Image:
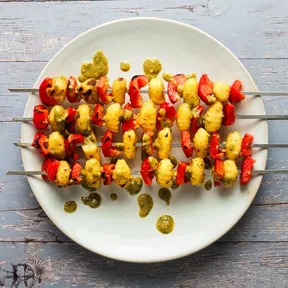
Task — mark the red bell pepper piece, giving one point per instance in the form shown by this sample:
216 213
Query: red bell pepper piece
147 145
218 171
97 117
195 121
147 172
71 92
229 114
181 171
166 115
172 88
40 143
40 117
50 166
107 173
102 86
46 100
235 92
137 82
246 170
75 174
70 145
71 120
107 145
205 88
186 143
246 149
214 146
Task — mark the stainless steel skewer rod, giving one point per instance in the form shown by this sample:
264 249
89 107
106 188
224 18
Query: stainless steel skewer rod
256 93
254 172
99 144
257 117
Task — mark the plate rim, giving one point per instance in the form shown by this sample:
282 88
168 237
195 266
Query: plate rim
184 252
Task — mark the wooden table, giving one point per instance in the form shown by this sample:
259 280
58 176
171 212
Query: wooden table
253 254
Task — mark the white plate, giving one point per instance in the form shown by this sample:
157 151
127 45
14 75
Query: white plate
201 217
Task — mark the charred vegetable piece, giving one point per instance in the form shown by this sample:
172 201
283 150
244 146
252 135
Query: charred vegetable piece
40 143
186 143
137 82
235 92
175 87
246 170
71 92
40 117
70 145
166 116
247 141
205 90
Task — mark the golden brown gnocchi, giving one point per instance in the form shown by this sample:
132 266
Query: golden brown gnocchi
184 117
163 143
57 118
156 88
92 174
122 173
147 117
201 143
197 171
233 145
129 141
230 173
58 89
63 174
113 116
119 89
90 148
190 92
213 117
221 90
56 145
88 91
164 173
83 119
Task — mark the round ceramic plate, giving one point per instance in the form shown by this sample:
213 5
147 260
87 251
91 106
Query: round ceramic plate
201 217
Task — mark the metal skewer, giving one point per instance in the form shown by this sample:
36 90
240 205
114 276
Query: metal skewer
256 93
99 144
254 172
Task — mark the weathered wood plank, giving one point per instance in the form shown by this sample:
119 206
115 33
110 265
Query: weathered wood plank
260 223
250 29
221 265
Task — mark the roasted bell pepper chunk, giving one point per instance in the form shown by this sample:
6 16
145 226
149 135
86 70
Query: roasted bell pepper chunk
246 170
181 172
98 114
71 119
166 115
40 117
45 98
214 146
40 143
147 171
71 92
186 143
108 149
107 173
174 85
218 171
75 174
195 121
50 166
129 121
246 149
70 145
137 82
147 145
205 89
102 87
229 114
235 92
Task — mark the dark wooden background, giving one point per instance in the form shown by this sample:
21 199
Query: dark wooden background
32 250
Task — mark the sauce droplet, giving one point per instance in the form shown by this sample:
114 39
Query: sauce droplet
145 202
113 196
167 76
93 200
165 224
70 206
125 66
165 195
152 67
135 186
208 184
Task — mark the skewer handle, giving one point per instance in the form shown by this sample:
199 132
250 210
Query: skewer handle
21 119
263 117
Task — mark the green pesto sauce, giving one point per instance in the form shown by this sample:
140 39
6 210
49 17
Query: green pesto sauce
165 224
113 196
95 69
208 185
135 186
93 200
167 76
125 66
152 67
145 202
70 206
165 195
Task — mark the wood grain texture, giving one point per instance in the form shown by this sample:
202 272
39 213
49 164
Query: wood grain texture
223 265
251 29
